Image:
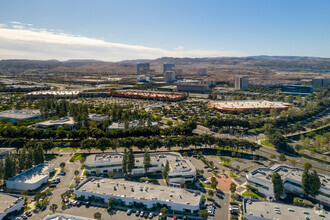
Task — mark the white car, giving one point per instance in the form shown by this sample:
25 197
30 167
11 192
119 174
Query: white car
129 212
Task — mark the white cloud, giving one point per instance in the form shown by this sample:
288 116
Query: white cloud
22 41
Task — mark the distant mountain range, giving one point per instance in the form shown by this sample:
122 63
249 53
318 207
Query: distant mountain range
288 63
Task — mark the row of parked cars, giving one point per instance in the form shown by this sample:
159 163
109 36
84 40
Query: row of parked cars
141 214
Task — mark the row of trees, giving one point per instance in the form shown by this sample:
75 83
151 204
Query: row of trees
85 132
154 143
17 163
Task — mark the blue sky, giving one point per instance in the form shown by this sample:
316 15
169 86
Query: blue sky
133 29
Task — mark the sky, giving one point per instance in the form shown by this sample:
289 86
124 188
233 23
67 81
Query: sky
147 29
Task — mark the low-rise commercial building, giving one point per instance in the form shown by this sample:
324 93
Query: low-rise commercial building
53 94
180 168
16 115
291 176
248 105
129 125
97 117
66 122
263 210
137 194
32 178
10 203
320 82
4 152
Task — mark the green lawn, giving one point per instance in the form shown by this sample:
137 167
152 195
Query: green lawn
249 193
232 175
77 157
267 144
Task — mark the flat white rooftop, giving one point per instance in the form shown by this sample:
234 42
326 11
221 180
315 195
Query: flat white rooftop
176 162
19 114
249 104
7 201
140 191
272 210
57 122
33 174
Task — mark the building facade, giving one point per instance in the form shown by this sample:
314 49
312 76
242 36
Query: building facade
168 67
180 168
169 76
193 87
142 68
135 194
242 83
320 82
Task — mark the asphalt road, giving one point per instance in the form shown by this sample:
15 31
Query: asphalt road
62 187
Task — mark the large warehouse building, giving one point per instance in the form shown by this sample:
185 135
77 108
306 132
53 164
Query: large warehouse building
179 168
248 105
17 115
32 178
291 177
140 194
10 203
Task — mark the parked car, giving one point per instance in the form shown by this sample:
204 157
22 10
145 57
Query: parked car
29 214
129 212
283 196
62 173
137 213
141 214
151 215
146 215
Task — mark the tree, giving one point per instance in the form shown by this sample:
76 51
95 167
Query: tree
97 215
103 144
62 165
111 201
110 174
165 171
315 184
24 193
181 182
124 162
185 154
53 208
282 157
248 187
310 182
204 214
130 161
88 144
76 173
146 160
277 185
293 162
210 192
164 211
214 182
232 187
307 165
